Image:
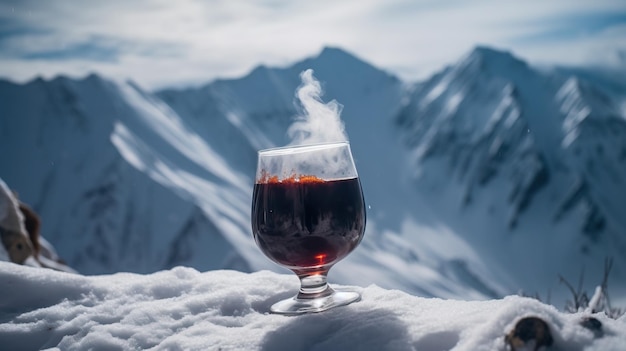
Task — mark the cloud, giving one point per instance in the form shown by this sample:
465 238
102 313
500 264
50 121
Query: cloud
181 42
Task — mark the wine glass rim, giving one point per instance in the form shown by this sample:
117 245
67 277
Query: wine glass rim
293 149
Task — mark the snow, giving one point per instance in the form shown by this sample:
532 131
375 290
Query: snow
183 309
497 169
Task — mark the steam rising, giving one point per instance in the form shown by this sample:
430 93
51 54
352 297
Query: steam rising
318 122
318 141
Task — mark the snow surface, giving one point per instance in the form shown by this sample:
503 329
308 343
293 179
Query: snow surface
183 309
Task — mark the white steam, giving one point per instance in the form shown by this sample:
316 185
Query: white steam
318 122
318 140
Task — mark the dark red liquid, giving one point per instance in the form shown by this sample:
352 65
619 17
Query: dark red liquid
308 224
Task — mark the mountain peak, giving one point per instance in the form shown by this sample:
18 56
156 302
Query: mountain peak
493 59
334 65
334 56
485 50
334 51
65 79
489 53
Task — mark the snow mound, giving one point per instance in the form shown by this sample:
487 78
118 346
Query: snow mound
183 309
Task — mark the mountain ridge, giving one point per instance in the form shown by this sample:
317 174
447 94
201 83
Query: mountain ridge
446 164
516 156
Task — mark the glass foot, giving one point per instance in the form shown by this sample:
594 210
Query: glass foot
296 305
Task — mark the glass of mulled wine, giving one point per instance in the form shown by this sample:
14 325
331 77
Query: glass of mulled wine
308 213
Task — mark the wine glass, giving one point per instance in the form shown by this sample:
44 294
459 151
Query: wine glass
308 213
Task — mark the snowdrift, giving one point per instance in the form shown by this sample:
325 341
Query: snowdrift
183 309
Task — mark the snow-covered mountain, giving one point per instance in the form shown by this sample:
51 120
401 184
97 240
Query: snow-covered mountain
491 177
529 165
82 153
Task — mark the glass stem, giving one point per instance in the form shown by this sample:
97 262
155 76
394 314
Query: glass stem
313 286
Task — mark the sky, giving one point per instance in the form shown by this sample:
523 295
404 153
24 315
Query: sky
161 43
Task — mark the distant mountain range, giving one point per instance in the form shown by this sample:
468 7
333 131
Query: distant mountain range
491 177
